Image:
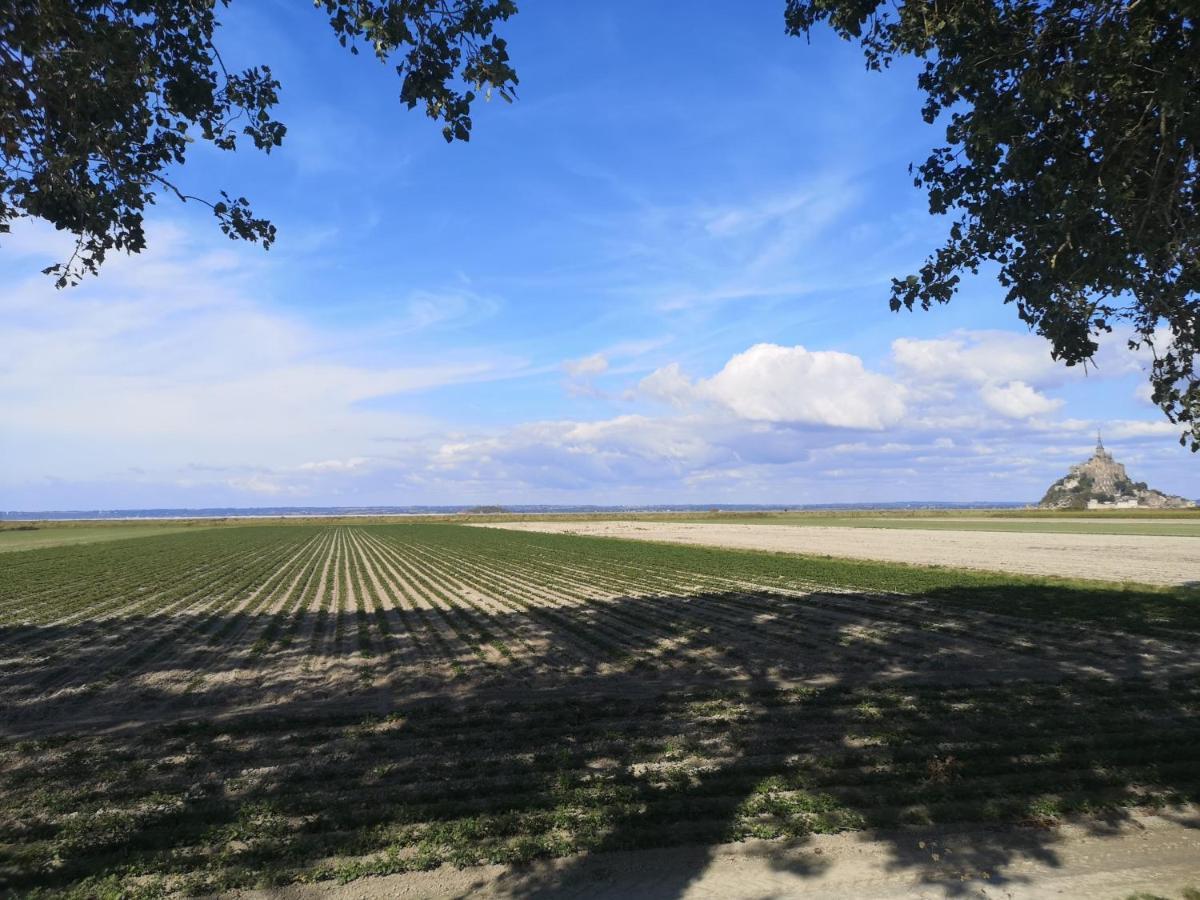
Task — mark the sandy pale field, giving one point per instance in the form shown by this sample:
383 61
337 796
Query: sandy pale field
1108 557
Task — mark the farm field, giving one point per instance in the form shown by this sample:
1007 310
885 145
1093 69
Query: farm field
1178 526
15 536
239 707
1117 557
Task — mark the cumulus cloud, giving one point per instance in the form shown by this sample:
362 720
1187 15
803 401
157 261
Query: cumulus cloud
980 357
789 385
669 385
1009 371
1017 400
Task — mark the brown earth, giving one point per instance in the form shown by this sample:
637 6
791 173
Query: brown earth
191 658
510 656
1142 559
1090 859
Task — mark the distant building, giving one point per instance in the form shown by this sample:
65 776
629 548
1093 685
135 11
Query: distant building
1102 483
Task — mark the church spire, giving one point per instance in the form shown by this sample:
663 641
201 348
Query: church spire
1099 442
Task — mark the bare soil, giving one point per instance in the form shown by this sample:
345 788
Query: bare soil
1091 859
511 689
1141 559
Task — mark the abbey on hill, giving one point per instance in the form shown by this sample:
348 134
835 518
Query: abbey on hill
1101 483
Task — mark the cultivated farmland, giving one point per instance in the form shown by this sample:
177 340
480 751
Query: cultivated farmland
242 706
1166 553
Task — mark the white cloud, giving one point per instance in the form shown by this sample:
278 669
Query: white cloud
1017 400
581 375
806 210
1009 372
425 309
179 365
980 357
258 484
596 364
353 464
173 358
740 243
668 384
1144 393
1127 428
789 385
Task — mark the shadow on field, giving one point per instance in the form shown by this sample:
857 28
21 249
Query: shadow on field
680 721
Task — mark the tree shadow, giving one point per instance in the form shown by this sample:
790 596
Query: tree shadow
683 721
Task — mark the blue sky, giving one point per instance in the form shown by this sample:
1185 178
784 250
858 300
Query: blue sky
660 276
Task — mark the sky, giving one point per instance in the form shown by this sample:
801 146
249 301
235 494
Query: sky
661 276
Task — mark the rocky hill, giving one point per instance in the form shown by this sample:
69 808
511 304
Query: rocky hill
1102 483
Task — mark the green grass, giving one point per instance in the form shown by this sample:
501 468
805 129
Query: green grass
37 536
1169 522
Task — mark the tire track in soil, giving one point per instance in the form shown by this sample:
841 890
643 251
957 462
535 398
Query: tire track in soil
729 612
279 653
114 606
496 612
306 638
1073 644
836 627
375 663
288 616
129 579
327 646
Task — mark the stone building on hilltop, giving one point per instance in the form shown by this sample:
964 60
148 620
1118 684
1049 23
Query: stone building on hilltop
1102 483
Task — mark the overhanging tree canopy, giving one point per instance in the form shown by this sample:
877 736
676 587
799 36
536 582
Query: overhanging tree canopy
1070 159
1070 162
101 99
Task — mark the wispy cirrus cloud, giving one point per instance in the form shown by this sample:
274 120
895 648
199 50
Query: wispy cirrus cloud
175 357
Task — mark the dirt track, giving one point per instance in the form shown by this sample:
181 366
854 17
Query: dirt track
1092 859
1107 557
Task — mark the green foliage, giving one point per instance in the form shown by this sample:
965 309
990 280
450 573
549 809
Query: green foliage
1070 162
100 101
